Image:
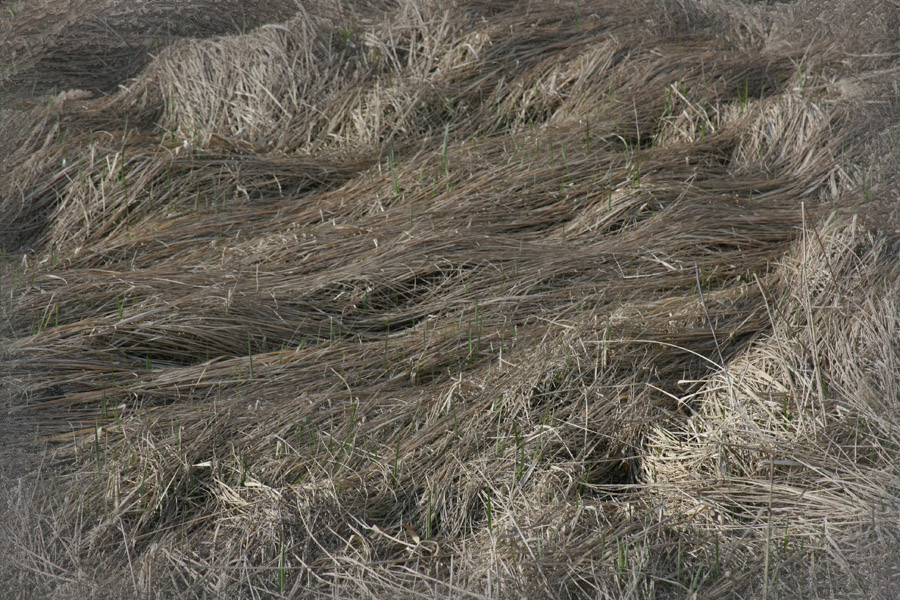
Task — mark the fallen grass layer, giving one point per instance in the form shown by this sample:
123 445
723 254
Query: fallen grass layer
48 47
458 300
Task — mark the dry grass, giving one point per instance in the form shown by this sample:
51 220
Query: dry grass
452 299
50 46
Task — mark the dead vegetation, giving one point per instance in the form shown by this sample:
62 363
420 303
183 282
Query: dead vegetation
453 299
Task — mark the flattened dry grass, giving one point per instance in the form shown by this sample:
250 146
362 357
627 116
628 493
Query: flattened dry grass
458 300
50 46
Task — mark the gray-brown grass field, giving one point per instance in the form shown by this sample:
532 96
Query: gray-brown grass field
413 299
